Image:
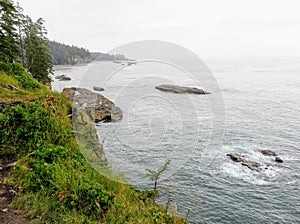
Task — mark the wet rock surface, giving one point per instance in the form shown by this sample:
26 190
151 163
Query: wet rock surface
180 89
237 157
278 159
252 165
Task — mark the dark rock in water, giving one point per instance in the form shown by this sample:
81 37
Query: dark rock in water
96 106
63 78
96 88
180 89
268 152
59 76
278 159
252 165
236 157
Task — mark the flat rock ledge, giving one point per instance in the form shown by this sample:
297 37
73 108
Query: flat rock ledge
96 106
180 89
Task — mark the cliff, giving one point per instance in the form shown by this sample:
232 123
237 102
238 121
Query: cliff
44 177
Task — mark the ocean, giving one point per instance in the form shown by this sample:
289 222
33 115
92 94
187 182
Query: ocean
253 105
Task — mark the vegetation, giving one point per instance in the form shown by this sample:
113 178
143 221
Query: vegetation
24 41
63 54
53 181
154 175
40 158
106 57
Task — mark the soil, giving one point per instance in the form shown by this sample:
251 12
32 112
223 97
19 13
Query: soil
7 193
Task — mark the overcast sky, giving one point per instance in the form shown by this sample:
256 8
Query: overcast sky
207 27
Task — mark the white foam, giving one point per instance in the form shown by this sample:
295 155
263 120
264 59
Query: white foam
270 173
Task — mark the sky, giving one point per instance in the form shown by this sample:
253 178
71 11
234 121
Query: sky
210 28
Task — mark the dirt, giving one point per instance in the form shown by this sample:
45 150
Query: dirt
7 194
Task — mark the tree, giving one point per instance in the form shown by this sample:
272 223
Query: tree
37 55
154 175
9 44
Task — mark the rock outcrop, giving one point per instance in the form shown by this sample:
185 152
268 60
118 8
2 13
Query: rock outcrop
252 165
237 157
96 106
180 89
271 153
96 88
267 152
63 78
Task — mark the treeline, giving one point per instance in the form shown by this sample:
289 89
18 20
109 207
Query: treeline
64 54
24 40
97 56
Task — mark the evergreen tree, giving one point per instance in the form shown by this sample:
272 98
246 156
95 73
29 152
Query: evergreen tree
37 55
9 44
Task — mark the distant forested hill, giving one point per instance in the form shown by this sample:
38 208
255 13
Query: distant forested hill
106 57
65 54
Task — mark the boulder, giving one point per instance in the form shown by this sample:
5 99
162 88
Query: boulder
180 89
96 88
96 106
278 159
267 152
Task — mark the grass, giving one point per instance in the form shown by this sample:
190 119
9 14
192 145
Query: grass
53 180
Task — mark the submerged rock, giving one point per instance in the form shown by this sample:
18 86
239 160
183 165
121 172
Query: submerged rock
96 88
96 106
267 152
180 89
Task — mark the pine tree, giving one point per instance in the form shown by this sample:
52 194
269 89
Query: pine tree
9 44
37 55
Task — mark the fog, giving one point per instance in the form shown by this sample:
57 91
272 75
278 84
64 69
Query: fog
212 28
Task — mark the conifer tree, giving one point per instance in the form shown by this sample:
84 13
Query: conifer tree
9 44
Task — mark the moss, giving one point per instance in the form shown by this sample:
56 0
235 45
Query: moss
55 183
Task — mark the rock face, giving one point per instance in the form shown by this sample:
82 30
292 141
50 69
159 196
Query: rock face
97 107
180 89
96 88
237 157
63 78
268 153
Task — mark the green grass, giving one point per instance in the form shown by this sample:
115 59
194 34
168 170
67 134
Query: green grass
54 181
